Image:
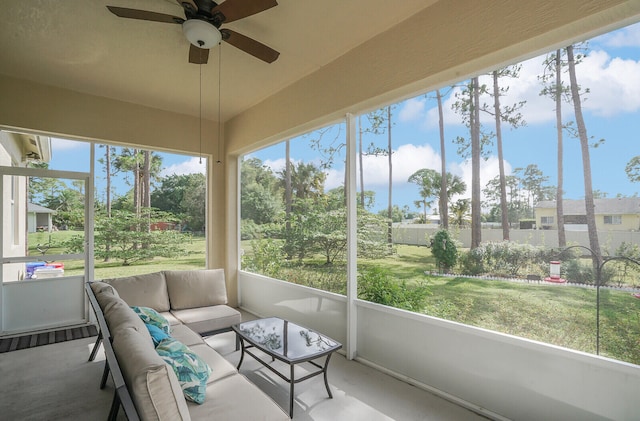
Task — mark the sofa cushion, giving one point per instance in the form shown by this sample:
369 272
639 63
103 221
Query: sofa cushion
186 335
152 383
170 318
220 367
208 319
119 315
152 317
195 288
236 398
148 290
191 370
101 287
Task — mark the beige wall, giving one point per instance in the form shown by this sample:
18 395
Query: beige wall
442 44
630 222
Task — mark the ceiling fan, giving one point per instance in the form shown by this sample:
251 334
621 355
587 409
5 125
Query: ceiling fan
202 22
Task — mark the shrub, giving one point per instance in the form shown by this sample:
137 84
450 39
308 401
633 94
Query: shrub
266 258
505 259
444 250
378 286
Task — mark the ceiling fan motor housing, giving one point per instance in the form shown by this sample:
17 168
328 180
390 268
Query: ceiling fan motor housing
200 33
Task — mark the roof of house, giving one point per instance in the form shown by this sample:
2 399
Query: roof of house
613 206
32 207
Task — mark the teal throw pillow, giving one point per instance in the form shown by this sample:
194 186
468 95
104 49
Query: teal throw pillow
152 317
191 370
157 335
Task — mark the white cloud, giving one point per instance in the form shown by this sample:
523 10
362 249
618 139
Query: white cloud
614 85
626 37
277 164
489 169
406 160
190 166
412 110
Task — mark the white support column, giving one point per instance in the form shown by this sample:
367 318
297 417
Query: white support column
352 240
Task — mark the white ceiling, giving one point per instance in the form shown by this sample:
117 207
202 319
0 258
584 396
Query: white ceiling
80 45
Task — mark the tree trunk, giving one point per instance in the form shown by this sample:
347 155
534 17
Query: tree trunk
444 198
390 156
562 238
476 227
503 184
586 163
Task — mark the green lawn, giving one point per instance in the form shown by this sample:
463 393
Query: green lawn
194 260
562 315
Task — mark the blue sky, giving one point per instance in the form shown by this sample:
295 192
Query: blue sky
611 71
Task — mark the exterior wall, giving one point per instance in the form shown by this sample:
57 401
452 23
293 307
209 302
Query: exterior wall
630 222
546 212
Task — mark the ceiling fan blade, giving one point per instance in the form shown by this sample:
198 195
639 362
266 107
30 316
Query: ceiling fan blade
188 5
238 9
249 45
198 55
124 12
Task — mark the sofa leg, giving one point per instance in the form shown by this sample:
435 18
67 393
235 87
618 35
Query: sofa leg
105 375
115 406
94 351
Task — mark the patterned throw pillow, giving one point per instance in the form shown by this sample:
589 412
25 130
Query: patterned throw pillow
157 335
152 317
191 370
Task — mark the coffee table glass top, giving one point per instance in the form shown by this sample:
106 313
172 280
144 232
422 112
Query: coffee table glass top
286 339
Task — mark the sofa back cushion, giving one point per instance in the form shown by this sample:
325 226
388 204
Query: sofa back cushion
196 288
117 313
148 290
153 385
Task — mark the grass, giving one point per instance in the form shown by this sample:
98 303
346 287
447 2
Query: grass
561 315
195 259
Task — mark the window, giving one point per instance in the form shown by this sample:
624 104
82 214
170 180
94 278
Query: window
292 209
613 219
400 152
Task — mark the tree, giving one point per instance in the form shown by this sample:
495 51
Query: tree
554 88
120 233
533 180
476 147
430 183
586 161
260 200
633 169
377 121
460 211
444 199
510 115
183 196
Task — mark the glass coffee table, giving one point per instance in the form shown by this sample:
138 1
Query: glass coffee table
290 343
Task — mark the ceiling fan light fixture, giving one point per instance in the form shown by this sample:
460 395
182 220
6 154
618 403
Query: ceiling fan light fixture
201 34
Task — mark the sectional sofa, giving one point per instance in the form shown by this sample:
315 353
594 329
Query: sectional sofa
148 367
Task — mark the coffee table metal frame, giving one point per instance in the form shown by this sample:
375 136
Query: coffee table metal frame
247 343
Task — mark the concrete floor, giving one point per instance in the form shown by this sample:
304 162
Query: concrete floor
55 382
